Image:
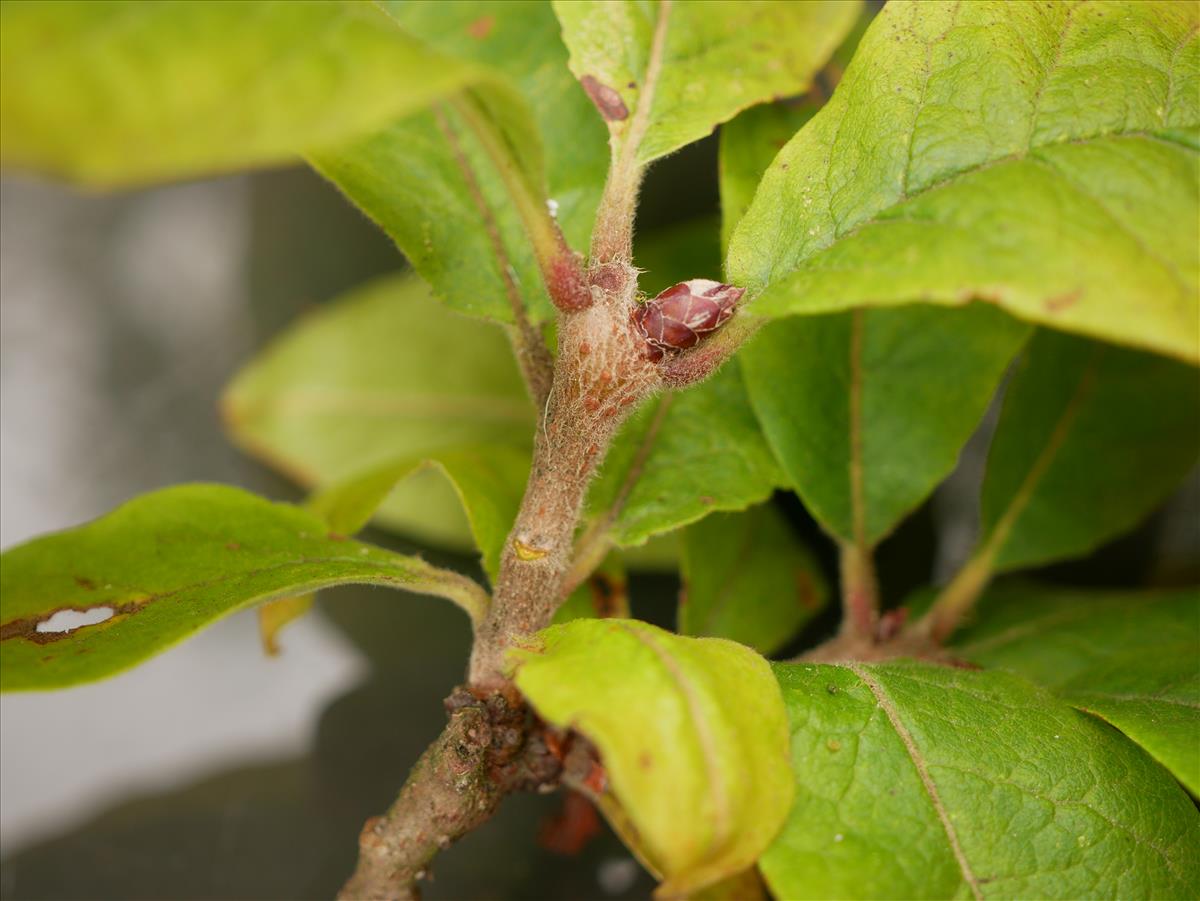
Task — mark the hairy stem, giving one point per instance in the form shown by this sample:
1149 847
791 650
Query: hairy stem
612 238
599 378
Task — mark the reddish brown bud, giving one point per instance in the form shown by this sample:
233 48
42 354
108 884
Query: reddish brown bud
681 316
565 283
607 101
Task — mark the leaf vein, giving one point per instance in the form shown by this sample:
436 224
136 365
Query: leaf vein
918 761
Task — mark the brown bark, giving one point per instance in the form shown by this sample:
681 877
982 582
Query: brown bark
486 751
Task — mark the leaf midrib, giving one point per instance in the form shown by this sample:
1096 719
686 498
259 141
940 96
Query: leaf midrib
885 703
722 819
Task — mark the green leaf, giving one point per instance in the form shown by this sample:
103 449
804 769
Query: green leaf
691 733
489 480
710 61
118 93
868 410
163 566
522 41
681 457
1091 438
448 185
1129 657
748 145
747 577
1042 157
920 781
381 375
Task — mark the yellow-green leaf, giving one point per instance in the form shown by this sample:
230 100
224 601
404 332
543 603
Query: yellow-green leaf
691 732
694 65
117 92
489 480
382 375
1040 156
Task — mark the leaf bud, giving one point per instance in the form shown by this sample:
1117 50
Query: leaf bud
684 314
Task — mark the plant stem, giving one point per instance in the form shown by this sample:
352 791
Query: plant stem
612 238
599 378
961 593
484 753
860 592
957 598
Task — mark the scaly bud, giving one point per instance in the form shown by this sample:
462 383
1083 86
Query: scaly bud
684 314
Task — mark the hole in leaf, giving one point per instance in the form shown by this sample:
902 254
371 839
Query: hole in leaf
70 620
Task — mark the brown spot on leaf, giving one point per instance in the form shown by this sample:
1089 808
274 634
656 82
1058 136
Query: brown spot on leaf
607 101
85 583
645 761
1060 302
27 627
334 536
481 27
706 500
966 295
233 546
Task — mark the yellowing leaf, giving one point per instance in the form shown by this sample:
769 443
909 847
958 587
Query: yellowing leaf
691 732
273 616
